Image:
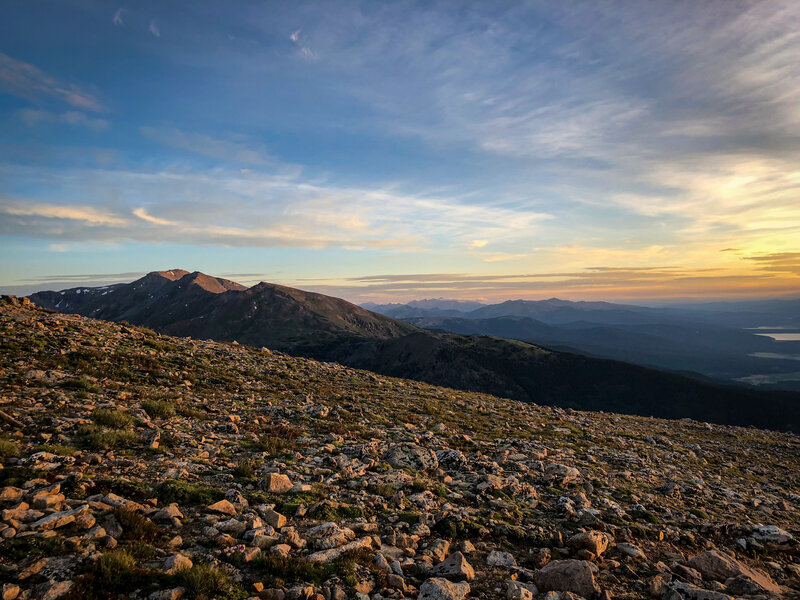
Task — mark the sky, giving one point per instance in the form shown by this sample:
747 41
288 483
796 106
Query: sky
386 151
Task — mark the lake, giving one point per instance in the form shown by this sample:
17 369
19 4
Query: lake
782 337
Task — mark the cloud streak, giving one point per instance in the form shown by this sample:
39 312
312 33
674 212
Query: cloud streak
236 150
242 208
27 81
71 117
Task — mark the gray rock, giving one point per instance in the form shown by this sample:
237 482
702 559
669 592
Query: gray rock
569 576
497 558
454 567
442 589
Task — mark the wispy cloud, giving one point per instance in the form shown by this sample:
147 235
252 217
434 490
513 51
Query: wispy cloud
778 262
145 216
117 20
302 48
88 216
241 208
27 81
597 283
154 30
71 117
236 149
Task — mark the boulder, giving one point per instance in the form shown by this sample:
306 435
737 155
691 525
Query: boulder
772 534
595 542
631 551
568 576
277 483
274 518
497 558
454 567
442 589
176 562
686 591
516 590
332 554
411 456
718 566
223 507
329 535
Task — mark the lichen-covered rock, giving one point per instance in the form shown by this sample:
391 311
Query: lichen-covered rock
411 456
329 535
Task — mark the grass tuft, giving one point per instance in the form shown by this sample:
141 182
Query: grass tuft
158 409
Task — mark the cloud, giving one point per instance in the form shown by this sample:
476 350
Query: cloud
236 150
27 81
154 30
245 208
592 283
117 20
32 117
88 216
688 118
777 262
303 50
143 214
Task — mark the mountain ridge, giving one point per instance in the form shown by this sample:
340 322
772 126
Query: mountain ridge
325 328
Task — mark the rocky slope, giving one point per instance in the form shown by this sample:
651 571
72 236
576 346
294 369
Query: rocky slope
143 466
313 325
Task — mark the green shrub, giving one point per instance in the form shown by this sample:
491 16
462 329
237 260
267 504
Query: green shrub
450 527
381 489
17 549
8 449
245 468
16 476
184 492
80 384
409 517
97 438
206 582
192 413
113 574
115 568
325 511
113 419
275 445
57 449
290 569
158 409
644 515
699 513
141 550
136 526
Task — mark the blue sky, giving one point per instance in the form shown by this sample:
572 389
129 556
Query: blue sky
399 150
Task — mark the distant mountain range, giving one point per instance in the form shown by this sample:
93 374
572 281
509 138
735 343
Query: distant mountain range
178 302
718 340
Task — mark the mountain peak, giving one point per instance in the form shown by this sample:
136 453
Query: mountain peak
215 285
172 274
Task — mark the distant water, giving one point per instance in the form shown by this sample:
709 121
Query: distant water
768 378
782 337
775 355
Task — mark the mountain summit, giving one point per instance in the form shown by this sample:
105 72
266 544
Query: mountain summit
302 323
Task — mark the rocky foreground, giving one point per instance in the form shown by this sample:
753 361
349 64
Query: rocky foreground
142 466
